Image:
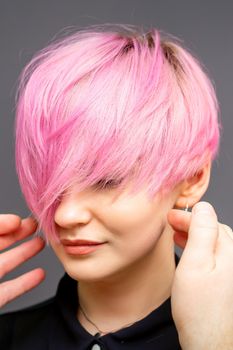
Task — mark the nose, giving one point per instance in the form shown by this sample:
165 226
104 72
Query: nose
72 211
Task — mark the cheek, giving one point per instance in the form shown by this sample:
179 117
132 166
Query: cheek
58 251
140 240
55 248
133 220
137 234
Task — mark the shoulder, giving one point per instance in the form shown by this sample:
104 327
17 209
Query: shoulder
16 324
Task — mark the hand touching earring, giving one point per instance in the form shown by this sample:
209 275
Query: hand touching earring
202 291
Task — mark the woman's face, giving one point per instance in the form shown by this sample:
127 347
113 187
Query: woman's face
129 225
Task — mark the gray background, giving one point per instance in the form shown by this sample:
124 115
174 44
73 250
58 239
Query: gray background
206 27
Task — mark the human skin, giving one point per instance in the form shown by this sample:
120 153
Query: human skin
189 327
202 290
13 229
136 263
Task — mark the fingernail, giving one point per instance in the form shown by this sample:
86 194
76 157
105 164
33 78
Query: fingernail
203 207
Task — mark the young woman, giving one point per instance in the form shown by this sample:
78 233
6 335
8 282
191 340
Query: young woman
115 126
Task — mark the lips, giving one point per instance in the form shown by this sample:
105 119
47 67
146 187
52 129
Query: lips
79 242
80 246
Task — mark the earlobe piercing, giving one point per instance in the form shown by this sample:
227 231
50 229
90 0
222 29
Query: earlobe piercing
187 207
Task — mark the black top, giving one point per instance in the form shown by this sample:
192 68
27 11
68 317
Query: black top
53 325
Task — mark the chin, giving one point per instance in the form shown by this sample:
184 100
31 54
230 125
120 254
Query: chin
84 275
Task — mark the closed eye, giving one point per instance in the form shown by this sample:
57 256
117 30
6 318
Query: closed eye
112 183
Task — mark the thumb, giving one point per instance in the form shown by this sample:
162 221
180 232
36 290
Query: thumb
202 237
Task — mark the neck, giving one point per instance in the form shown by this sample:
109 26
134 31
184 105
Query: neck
133 293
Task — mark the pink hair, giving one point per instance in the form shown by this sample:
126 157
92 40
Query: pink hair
111 103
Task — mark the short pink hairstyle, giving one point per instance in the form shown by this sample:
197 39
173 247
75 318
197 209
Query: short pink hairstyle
111 104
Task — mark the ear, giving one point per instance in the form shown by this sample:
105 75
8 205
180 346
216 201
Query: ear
192 189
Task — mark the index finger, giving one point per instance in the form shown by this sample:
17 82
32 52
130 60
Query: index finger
27 227
180 220
9 223
202 238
